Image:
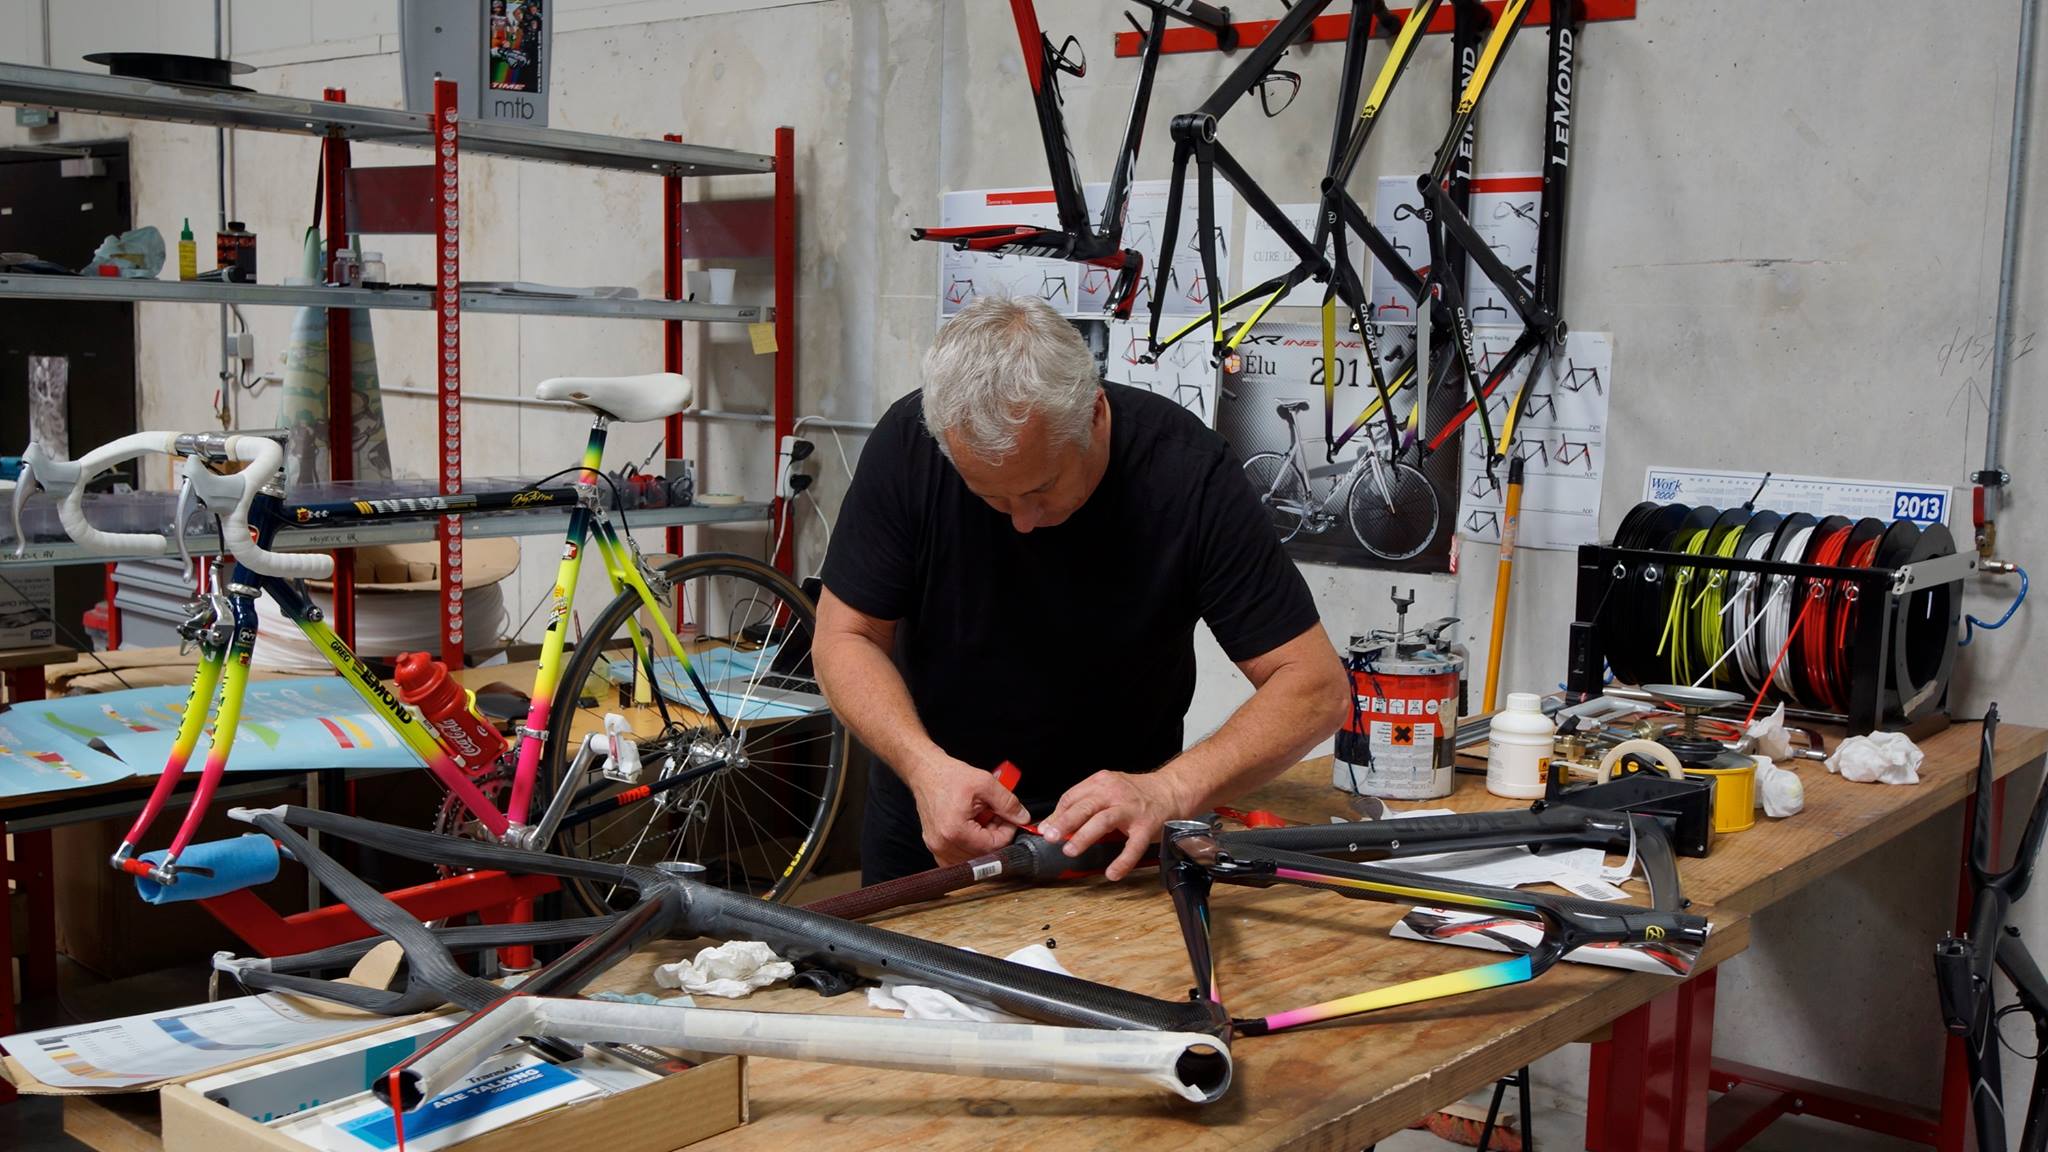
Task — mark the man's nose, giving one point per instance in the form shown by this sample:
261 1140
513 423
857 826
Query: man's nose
1026 515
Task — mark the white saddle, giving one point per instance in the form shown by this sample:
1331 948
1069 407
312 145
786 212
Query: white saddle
629 398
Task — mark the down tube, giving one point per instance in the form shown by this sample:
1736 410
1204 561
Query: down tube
415 735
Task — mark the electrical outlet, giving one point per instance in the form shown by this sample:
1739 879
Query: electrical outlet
791 452
241 346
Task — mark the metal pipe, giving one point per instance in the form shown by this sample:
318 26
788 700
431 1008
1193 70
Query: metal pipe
1993 477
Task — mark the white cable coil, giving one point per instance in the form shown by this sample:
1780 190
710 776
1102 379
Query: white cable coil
387 623
1779 615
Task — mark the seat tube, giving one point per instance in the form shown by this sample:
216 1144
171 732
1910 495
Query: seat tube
547 678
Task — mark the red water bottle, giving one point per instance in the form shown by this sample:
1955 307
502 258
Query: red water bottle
424 683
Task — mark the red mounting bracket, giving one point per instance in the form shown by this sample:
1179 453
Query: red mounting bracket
1334 28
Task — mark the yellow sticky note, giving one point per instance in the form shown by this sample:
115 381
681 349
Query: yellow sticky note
763 336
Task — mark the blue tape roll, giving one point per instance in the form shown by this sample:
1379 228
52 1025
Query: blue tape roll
242 862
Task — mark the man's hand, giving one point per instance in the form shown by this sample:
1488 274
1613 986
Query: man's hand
950 794
1108 802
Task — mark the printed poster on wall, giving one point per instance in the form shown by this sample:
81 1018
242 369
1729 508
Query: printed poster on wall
1561 440
1081 290
1504 211
1182 373
1266 255
1281 364
1923 504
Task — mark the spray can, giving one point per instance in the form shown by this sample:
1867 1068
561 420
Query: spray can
1400 742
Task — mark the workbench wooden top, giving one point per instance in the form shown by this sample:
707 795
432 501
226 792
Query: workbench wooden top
1344 1085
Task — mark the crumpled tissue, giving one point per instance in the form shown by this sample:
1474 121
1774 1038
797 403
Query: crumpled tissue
918 1002
1886 757
729 971
1778 790
1771 738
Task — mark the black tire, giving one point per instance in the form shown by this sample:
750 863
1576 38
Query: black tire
1277 481
1407 527
759 822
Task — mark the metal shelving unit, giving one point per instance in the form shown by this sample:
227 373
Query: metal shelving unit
145 100
764 229
392 299
536 522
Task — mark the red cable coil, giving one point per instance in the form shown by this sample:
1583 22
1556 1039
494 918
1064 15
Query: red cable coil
1813 650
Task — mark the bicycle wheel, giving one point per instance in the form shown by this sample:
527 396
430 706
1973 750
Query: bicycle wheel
1392 510
1282 489
750 800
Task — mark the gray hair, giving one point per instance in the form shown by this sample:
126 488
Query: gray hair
997 363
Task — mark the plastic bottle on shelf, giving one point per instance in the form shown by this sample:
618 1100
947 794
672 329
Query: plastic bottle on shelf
188 253
1518 746
424 683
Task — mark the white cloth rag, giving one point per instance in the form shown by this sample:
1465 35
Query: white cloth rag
1886 757
918 1002
729 971
1778 790
1771 738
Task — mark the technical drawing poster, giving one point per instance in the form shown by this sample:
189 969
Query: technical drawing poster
1504 210
1187 291
1562 440
1183 373
963 276
1283 363
1266 255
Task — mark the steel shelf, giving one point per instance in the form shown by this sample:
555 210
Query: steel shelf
105 288
539 522
145 100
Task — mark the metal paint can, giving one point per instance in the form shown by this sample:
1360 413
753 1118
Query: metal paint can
1399 742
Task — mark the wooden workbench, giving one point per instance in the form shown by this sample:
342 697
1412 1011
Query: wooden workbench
1342 1086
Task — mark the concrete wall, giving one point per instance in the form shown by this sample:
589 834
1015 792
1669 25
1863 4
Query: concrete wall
1784 224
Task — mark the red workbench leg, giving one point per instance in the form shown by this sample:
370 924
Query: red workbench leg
1648 1089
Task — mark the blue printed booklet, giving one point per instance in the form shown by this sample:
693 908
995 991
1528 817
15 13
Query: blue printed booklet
512 1086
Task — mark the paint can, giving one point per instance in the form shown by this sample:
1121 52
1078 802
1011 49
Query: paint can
1400 741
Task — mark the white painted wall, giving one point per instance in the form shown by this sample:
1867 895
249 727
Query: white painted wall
1781 222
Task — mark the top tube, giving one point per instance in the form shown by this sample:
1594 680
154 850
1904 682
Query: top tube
414 507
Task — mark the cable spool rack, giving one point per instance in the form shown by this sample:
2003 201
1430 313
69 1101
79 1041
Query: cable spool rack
1877 670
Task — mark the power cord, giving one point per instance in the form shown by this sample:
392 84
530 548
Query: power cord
1971 623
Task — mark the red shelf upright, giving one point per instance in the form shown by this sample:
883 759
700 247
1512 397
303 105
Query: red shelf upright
448 326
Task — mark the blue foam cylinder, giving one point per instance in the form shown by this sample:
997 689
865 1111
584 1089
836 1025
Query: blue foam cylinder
238 863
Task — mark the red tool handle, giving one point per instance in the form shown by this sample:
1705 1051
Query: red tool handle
1008 775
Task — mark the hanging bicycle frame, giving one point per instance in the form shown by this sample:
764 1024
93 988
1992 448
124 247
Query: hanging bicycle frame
1098 243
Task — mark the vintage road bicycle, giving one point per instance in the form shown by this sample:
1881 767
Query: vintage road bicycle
685 723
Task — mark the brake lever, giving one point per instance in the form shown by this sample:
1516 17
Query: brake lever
24 484
186 495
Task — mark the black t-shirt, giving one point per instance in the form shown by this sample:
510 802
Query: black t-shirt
1066 650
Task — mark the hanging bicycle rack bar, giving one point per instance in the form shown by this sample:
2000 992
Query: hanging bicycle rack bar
1328 29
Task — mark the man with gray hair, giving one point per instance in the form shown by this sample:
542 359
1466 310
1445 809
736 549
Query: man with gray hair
1016 575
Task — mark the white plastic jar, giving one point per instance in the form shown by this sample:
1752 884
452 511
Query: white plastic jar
1518 745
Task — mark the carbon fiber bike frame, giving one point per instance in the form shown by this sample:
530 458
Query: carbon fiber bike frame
670 905
1963 967
1098 243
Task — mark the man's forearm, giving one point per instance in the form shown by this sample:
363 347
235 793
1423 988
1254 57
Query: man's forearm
869 695
1292 712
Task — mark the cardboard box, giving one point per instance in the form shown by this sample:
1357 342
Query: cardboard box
27 598
663 1116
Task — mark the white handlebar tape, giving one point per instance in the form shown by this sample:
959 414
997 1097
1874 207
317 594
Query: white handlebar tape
264 458
72 510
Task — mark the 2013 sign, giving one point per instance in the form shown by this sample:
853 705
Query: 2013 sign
1920 507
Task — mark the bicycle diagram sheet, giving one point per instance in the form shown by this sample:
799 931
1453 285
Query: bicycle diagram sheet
175 1043
1267 256
1562 441
287 725
1182 373
1504 210
1079 290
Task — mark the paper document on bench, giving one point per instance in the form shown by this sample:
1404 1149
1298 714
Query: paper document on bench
179 1042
